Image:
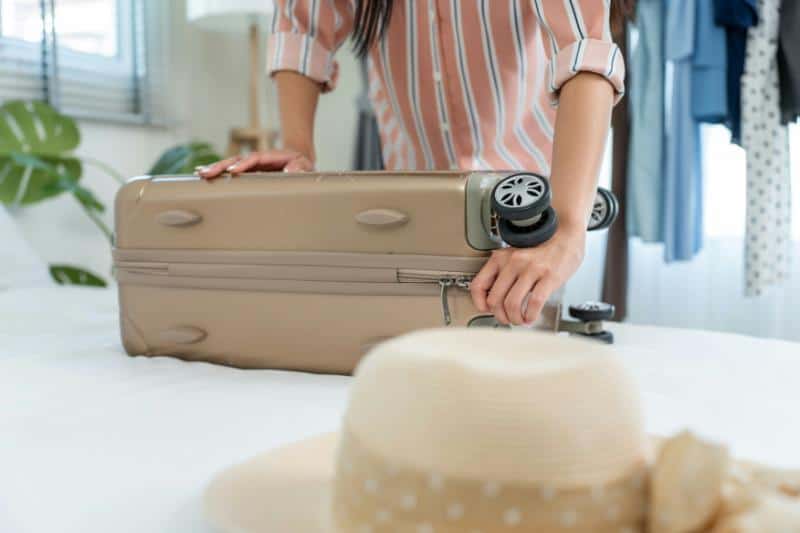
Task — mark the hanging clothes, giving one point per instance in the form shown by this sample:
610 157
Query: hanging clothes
368 153
682 208
736 16
645 182
766 140
789 60
709 68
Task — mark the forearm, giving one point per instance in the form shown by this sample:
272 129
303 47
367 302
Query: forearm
582 123
297 97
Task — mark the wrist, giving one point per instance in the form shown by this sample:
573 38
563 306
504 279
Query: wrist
571 224
573 213
572 235
301 146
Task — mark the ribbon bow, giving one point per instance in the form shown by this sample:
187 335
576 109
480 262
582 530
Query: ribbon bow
696 487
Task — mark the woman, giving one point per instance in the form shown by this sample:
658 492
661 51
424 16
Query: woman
465 84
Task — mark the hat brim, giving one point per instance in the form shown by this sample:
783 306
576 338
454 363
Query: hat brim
286 489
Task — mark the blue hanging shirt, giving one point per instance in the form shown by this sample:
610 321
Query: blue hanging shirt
736 16
682 201
645 188
709 62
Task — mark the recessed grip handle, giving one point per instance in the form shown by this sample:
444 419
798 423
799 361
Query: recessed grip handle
182 335
382 217
178 218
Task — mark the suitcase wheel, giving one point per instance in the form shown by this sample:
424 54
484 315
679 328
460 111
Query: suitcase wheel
521 196
592 311
604 336
529 236
604 210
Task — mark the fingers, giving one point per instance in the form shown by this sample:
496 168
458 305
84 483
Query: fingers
482 283
263 161
215 170
497 295
515 299
513 286
544 287
249 162
288 160
275 160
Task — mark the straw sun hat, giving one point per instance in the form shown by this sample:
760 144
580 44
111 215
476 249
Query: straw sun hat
459 431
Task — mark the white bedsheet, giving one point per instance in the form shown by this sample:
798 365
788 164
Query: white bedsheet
94 441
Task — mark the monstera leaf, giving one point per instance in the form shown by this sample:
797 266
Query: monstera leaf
183 159
70 275
36 144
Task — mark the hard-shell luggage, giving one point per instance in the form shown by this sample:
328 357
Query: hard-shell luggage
307 271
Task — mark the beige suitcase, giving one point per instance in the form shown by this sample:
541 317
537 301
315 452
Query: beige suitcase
305 271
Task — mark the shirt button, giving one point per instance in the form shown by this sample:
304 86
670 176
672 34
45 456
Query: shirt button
454 166
445 126
437 76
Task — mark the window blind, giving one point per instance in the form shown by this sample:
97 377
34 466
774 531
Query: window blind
123 87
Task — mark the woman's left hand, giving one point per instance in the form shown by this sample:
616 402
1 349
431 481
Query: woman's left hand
516 282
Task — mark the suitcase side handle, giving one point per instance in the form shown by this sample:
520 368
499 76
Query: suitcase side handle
178 217
182 335
382 217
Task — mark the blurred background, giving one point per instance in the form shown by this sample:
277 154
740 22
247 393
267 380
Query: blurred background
146 80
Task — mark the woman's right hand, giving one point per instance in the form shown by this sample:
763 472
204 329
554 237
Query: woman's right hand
271 160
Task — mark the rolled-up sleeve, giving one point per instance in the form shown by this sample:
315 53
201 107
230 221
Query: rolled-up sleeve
306 35
577 38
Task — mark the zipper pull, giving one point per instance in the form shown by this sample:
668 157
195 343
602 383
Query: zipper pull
464 282
446 283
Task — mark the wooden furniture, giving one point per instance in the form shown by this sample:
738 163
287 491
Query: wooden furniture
237 16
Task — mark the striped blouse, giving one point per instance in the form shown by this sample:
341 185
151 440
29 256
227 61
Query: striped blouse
460 84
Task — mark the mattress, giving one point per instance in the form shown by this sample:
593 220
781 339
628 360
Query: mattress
93 441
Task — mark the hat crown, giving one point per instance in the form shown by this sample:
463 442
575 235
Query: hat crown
498 406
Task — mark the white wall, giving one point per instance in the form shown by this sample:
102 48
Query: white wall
206 95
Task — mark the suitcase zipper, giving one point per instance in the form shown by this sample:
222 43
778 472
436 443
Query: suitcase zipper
445 284
244 274
445 281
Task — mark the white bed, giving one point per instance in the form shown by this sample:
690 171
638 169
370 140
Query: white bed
94 441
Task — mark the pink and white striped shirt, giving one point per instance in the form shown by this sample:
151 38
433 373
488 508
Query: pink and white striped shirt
461 84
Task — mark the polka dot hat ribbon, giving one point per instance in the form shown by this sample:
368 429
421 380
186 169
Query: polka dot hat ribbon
692 486
373 495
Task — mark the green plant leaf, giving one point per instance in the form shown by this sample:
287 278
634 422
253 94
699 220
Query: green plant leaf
63 181
28 183
34 139
36 128
86 197
71 275
183 159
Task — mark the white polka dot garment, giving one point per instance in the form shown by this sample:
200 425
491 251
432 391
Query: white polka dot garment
768 226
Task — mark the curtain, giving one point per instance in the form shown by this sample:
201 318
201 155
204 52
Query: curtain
708 291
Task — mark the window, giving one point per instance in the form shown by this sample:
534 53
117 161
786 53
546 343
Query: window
89 58
725 186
